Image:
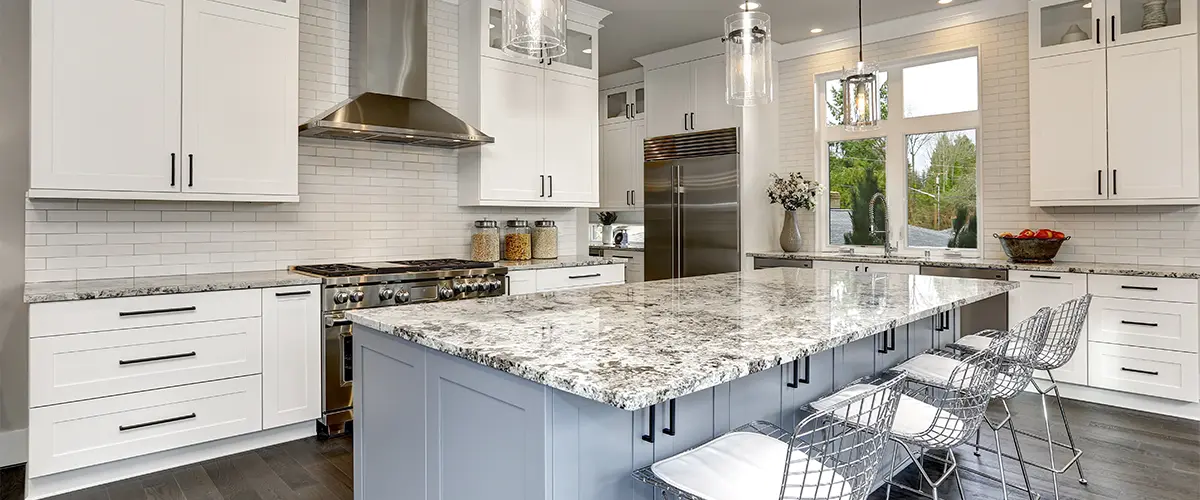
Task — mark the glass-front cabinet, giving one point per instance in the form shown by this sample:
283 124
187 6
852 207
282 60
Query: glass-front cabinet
623 103
1058 27
582 46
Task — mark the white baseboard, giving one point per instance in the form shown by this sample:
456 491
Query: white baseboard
64 482
14 447
1149 404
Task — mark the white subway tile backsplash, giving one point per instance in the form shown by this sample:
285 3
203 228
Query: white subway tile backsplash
357 200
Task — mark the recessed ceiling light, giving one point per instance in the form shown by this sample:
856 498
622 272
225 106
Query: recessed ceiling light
587 51
815 30
750 5
944 2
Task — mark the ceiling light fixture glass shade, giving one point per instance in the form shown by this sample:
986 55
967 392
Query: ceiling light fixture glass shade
536 29
749 71
860 90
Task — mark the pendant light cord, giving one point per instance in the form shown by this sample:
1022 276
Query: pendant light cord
860 32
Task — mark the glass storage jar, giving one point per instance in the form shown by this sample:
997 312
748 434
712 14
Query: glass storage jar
517 240
545 240
485 241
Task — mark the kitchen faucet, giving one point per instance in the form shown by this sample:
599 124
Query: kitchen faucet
887 226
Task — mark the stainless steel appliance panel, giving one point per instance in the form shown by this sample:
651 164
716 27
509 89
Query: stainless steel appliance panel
660 220
989 314
708 216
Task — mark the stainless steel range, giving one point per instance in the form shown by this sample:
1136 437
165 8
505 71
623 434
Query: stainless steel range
381 284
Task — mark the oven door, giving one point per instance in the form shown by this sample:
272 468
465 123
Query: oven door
337 394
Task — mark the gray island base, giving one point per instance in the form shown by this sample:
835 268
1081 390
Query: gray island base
562 396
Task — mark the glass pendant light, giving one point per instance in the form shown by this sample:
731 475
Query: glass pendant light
536 29
860 90
749 66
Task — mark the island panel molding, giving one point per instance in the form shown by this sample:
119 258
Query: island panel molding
637 345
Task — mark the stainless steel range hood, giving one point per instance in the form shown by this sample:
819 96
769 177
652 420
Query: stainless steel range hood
388 64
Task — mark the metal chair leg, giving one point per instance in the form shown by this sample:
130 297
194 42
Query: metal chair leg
978 433
1070 438
1050 445
891 472
999 460
1020 456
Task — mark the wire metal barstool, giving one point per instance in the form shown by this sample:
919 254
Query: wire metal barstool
833 454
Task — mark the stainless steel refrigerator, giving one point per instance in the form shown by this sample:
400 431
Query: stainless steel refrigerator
692 206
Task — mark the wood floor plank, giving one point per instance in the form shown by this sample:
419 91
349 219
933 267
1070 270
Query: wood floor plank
332 479
229 481
265 482
128 489
195 483
161 486
286 467
93 493
12 483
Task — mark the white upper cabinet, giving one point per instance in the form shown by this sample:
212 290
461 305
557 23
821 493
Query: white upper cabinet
623 104
1131 21
1152 146
542 114
621 169
1068 96
205 93
100 60
240 100
1059 27
688 97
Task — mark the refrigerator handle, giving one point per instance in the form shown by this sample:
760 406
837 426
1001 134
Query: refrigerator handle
678 188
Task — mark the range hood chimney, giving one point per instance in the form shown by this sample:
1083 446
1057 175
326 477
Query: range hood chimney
388 64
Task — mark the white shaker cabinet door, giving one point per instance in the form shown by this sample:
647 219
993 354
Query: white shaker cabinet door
1068 128
708 88
1153 151
1045 289
572 155
511 111
638 164
522 282
292 336
669 100
616 145
240 102
99 61
289 8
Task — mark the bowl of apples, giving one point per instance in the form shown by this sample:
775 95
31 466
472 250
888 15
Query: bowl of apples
1032 246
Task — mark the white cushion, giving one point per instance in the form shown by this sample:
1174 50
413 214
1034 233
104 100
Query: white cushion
914 420
748 466
981 343
934 369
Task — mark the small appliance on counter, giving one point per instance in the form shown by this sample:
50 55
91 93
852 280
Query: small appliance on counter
621 237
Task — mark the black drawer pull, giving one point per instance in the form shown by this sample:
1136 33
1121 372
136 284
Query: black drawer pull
582 276
124 362
622 257
1143 372
882 340
1044 277
649 438
796 378
892 346
670 428
1139 323
124 428
1142 288
293 294
157 311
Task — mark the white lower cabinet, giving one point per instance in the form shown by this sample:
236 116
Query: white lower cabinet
180 372
635 264
1152 372
866 267
1046 289
291 355
564 278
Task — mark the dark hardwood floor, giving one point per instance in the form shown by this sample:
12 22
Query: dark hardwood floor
1128 456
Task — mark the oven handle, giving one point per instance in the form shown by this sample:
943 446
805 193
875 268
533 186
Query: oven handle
330 322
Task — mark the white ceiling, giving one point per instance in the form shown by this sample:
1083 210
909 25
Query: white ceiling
640 27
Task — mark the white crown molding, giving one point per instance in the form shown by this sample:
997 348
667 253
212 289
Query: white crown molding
14 447
587 14
679 55
948 17
627 77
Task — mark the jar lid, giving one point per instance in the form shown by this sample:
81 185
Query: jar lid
544 223
485 223
518 223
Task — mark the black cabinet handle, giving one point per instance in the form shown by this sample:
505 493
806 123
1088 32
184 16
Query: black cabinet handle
633 197
124 428
172 169
629 198
622 257
881 337
1097 31
582 276
124 362
543 185
1114 182
1100 182
685 121
693 121
292 294
855 268
649 438
1142 288
1045 277
1114 32
124 314
796 378
892 345
1139 323
670 428
1143 372
191 170
551 179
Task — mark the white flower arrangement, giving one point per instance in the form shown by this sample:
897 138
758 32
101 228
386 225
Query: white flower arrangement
794 192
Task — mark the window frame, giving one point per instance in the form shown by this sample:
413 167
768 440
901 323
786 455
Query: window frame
895 130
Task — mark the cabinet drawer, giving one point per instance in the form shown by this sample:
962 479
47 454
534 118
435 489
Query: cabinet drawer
92 365
1142 323
1166 374
74 435
1140 287
580 277
627 257
62 318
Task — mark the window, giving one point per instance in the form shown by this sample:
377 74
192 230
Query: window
913 183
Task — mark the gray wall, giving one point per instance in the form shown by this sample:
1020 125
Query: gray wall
14 178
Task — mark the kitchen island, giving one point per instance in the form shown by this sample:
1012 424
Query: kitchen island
563 395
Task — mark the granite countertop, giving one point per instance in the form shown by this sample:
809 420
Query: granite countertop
633 247
939 261
635 345
561 261
59 291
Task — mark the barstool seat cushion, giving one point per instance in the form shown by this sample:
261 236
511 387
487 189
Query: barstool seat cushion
748 466
916 421
933 369
1016 345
